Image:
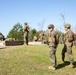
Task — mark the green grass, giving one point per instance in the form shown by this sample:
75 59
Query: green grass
32 60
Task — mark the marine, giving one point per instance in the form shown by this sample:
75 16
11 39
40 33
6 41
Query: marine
1 37
68 39
26 31
41 35
53 40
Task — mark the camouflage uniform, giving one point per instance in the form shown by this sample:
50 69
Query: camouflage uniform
1 36
26 31
53 42
41 36
35 38
68 38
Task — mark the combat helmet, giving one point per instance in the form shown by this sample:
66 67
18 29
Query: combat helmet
67 25
50 26
41 31
25 23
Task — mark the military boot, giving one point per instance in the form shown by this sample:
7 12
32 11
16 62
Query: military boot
70 66
62 61
52 68
25 44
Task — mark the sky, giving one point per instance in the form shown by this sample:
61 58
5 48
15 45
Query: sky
36 12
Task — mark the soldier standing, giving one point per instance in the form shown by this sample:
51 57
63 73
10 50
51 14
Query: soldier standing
68 38
41 36
53 43
26 31
1 37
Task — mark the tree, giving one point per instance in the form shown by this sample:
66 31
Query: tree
63 18
16 32
41 25
63 21
32 33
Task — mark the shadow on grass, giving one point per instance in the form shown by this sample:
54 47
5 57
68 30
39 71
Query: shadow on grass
62 65
75 64
66 63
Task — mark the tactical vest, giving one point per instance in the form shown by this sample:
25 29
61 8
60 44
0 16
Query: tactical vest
53 38
1 37
26 28
69 38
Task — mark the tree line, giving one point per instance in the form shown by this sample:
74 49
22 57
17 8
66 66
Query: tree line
17 33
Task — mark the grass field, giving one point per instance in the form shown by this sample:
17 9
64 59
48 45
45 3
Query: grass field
32 60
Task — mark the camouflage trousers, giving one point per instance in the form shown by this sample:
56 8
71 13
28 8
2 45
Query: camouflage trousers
53 56
26 38
67 49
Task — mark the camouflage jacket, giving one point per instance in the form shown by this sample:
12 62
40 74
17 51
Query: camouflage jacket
41 35
26 28
53 38
1 37
69 38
